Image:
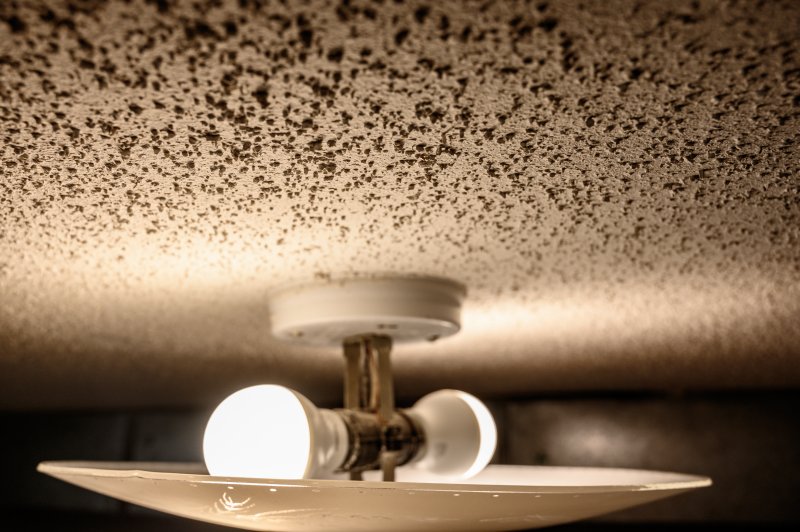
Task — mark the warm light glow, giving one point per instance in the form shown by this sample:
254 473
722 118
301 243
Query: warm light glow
273 432
488 434
262 432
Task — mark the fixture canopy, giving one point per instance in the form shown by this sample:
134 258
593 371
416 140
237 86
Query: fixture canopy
405 308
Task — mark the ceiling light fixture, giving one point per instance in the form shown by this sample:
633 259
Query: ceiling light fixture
273 456
273 432
269 431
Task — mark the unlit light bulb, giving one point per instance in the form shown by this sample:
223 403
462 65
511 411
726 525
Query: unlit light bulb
269 431
460 434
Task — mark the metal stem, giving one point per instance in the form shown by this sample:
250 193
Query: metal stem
368 387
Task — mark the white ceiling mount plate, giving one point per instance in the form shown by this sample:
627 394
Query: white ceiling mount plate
498 498
408 309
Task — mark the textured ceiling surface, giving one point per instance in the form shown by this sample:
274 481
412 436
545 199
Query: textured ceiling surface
616 183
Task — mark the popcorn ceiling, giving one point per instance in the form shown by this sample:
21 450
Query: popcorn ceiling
615 182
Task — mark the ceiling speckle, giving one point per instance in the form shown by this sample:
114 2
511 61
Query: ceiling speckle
616 183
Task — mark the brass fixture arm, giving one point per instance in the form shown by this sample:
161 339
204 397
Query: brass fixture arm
380 436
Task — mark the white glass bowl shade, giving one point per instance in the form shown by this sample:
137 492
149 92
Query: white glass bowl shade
498 498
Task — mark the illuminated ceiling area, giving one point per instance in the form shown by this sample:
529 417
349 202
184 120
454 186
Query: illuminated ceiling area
616 183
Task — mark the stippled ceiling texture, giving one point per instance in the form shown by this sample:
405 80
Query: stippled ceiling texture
615 182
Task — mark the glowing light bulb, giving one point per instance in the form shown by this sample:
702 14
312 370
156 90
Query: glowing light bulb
269 431
273 432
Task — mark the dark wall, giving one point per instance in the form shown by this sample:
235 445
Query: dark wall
748 444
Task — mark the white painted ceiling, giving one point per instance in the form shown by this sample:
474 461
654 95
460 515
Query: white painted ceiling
615 182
